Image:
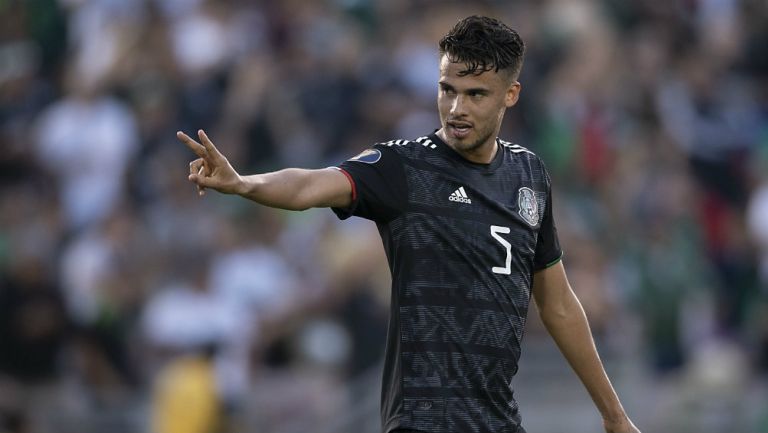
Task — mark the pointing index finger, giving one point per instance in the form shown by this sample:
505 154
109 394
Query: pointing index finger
192 144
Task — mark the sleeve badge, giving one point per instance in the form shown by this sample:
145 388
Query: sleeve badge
368 156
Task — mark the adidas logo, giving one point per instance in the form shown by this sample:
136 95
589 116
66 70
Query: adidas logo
460 196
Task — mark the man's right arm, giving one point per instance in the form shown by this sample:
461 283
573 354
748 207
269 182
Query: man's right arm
298 189
293 188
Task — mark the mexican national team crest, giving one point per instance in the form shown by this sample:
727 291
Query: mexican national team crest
529 208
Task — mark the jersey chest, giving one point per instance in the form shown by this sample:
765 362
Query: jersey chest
514 194
475 221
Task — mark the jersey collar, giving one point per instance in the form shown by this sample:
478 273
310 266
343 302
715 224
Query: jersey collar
449 152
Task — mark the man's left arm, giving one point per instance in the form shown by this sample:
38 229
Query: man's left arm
566 322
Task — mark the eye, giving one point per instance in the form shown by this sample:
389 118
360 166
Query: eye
476 94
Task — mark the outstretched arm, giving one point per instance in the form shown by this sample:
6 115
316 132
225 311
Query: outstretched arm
565 320
292 188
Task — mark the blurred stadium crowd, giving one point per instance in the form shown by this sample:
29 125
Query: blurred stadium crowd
128 303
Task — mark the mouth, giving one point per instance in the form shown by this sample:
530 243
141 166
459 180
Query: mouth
459 129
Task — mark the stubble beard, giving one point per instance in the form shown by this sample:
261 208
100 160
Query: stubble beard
463 147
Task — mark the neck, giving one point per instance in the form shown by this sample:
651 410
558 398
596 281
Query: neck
482 153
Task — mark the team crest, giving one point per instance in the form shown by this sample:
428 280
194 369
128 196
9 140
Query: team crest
529 208
368 156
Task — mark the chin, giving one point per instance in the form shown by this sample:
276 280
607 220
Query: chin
467 144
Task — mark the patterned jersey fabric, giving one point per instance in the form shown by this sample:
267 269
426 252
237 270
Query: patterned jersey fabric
462 241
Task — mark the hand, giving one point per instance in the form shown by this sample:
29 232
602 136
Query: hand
622 426
211 169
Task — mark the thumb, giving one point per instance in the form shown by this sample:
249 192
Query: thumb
202 180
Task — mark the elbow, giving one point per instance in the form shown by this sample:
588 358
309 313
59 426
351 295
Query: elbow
300 202
560 310
553 314
565 313
295 205
300 208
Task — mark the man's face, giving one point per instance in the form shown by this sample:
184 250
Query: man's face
472 106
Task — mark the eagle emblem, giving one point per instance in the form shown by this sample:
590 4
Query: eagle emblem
528 207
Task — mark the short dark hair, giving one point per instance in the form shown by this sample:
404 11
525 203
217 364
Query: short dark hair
484 44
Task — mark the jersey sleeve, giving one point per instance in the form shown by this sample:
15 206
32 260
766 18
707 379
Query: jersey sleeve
548 251
379 187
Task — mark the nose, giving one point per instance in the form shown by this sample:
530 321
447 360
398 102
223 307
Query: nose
457 106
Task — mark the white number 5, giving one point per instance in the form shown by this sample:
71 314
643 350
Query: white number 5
507 269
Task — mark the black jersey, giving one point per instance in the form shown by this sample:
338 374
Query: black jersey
463 241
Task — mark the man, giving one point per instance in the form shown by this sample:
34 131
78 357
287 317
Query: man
466 222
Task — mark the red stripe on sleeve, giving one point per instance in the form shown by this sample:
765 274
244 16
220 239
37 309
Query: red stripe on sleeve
351 182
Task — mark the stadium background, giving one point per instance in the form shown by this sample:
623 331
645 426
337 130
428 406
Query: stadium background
129 304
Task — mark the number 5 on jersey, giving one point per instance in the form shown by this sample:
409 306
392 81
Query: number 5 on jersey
495 232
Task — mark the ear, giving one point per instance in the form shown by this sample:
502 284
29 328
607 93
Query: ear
513 93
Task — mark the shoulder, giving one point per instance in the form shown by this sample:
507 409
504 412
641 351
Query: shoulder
387 154
516 148
519 152
525 156
406 147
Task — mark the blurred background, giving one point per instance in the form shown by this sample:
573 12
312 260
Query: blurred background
130 304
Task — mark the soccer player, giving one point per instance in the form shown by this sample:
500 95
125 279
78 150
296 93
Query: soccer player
466 222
